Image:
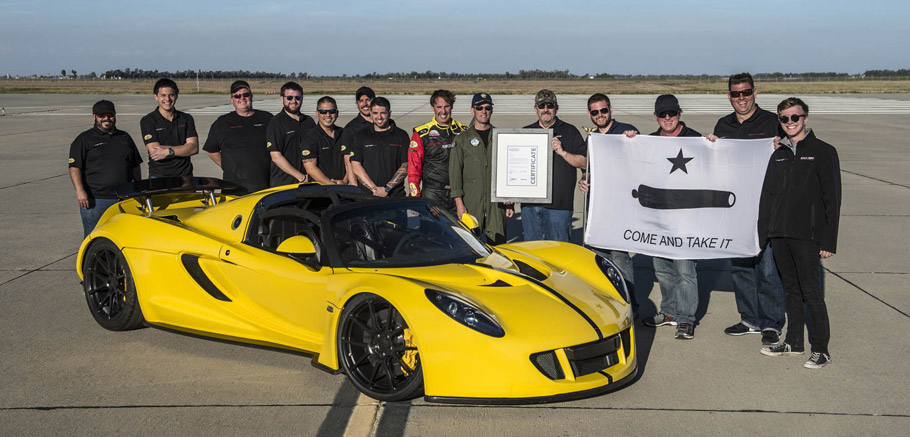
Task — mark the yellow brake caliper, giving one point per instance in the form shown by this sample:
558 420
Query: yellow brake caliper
410 356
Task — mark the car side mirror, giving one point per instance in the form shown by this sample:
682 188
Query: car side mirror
470 221
297 246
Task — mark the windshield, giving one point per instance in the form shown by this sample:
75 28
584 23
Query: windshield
403 235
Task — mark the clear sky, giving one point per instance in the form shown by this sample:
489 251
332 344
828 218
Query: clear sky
468 36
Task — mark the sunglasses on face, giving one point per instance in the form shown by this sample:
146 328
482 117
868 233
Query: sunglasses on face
297 98
670 114
239 96
483 108
546 106
105 115
327 111
594 112
793 118
745 93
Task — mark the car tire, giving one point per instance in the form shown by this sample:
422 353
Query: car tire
109 288
376 350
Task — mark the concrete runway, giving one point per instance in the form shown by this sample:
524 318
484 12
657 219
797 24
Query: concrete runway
61 373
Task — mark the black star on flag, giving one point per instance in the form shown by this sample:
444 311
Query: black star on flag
679 162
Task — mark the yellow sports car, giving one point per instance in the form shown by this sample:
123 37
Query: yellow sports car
395 293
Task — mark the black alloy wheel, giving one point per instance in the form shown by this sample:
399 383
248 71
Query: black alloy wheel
109 288
377 351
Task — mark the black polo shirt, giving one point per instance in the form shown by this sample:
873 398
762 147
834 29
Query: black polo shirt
357 123
241 142
564 174
328 151
157 129
106 160
381 154
685 132
283 135
762 124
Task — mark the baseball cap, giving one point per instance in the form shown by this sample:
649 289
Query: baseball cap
666 102
481 98
239 85
103 107
545 96
364 91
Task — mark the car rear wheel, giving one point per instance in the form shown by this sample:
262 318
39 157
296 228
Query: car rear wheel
377 350
109 288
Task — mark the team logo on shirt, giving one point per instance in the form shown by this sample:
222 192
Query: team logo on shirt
413 189
343 148
413 144
305 153
434 133
72 160
807 158
475 142
147 136
268 144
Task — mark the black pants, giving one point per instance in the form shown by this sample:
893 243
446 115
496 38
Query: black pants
798 262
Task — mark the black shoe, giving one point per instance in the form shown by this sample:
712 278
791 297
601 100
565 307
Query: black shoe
817 360
781 350
769 336
659 319
741 329
685 331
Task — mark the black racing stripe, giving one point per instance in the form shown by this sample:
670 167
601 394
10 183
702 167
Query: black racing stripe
607 375
600 335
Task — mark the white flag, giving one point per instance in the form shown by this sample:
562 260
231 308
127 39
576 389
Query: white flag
673 197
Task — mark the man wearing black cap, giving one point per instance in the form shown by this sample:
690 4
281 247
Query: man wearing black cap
283 137
100 159
169 135
470 172
428 152
362 99
677 278
379 155
553 221
236 141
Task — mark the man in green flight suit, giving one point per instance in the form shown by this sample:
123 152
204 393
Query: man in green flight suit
470 172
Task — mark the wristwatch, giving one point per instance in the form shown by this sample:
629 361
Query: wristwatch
387 189
170 152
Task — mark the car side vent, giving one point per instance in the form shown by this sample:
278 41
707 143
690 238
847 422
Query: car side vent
191 263
626 341
526 269
499 283
548 364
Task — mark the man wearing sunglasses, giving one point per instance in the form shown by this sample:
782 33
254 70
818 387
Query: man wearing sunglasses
169 135
799 212
321 149
470 173
677 278
756 282
100 159
428 152
283 137
553 221
236 141
362 100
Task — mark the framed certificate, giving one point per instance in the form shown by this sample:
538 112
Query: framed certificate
522 166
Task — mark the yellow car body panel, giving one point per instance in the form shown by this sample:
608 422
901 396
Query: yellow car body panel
259 296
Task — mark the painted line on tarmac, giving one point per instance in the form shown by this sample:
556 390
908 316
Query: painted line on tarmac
28 272
364 418
868 293
36 180
874 179
336 421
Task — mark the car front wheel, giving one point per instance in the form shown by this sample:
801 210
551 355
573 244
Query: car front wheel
109 288
377 350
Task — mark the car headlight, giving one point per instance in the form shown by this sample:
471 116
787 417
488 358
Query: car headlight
465 313
614 276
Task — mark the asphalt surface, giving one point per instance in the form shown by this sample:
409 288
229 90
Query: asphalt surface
61 373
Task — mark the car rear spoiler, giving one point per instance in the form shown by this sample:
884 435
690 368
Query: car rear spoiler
147 188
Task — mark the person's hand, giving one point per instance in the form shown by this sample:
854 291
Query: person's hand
380 192
584 185
157 153
82 199
630 133
824 254
557 146
776 143
460 211
711 137
336 182
510 209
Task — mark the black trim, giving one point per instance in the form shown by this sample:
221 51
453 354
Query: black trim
323 367
600 335
537 399
176 184
609 377
191 263
498 283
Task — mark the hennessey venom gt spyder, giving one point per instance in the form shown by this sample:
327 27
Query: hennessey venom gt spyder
397 294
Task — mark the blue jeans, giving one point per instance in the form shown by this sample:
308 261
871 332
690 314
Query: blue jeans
678 288
540 223
93 213
759 292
